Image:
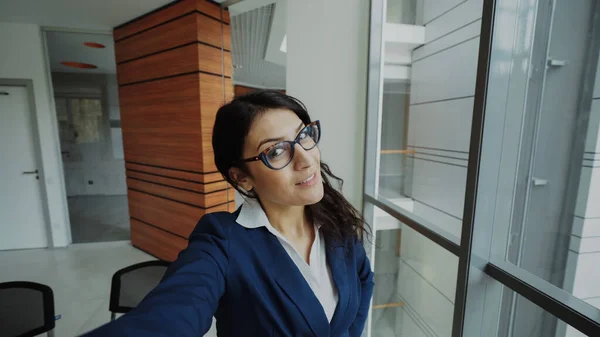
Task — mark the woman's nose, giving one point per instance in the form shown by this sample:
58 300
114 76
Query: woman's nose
302 158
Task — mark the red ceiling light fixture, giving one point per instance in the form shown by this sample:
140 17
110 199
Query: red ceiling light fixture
94 45
78 65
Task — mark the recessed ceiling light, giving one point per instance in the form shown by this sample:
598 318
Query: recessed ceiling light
94 45
78 65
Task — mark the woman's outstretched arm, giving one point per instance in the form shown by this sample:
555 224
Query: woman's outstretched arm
184 302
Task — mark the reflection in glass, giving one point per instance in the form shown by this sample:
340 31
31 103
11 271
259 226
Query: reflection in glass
548 201
545 324
415 282
544 107
87 120
402 11
393 161
426 108
425 115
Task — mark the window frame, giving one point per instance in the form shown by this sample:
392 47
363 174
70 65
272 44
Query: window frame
480 277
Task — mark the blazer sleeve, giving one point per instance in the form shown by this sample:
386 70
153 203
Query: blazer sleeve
186 299
365 275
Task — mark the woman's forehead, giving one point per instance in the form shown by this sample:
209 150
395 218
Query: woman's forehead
274 124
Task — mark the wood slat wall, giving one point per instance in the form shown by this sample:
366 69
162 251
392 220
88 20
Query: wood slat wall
166 14
240 90
189 29
172 216
174 72
177 174
188 59
202 200
155 240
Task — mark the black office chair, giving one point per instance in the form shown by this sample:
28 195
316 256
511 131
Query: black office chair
26 309
131 284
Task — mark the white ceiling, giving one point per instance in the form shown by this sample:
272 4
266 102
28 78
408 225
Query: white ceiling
102 15
251 26
68 46
250 33
73 17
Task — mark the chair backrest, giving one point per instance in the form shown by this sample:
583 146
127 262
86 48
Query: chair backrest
131 284
26 309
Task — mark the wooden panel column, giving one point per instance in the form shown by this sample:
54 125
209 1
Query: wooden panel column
239 90
174 72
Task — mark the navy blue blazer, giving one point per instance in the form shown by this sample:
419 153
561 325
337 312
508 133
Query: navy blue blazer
246 279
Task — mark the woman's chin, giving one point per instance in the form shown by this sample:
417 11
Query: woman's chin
312 197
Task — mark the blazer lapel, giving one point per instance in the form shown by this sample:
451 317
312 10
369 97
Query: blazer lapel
336 258
292 282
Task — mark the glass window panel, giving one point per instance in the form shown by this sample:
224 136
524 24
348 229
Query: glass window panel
415 282
426 109
402 11
62 113
87 120
64 126
546 131
537 322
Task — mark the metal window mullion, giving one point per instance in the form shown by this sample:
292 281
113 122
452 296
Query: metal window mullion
374 98
373 123
574 314
427 232
477 126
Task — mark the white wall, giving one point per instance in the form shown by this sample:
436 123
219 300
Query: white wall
22 57
327 50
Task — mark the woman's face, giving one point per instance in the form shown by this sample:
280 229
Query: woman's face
288 186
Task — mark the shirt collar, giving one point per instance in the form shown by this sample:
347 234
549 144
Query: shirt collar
252 215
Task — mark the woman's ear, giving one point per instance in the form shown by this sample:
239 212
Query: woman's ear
241 178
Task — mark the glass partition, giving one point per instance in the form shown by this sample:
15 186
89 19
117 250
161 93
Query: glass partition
483 167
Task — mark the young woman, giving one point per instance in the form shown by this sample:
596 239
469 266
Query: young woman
289 262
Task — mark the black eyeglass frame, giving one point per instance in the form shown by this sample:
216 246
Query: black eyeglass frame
263 155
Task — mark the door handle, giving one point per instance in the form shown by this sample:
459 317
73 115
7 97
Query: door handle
552 63
31 172
539 182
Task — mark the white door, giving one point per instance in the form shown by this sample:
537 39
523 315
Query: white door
21 212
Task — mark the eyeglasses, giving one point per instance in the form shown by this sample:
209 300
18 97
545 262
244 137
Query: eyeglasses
281 154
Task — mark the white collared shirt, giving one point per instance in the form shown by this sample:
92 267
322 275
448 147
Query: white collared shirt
317 274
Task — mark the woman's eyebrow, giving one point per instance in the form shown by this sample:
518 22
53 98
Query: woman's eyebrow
300 127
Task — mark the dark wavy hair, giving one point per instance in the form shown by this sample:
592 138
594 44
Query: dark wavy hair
339 220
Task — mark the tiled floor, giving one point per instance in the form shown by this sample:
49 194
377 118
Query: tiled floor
99 218
79 275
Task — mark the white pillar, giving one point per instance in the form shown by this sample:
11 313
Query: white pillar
327 55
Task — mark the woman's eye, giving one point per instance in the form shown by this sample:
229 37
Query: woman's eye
303 135
276 152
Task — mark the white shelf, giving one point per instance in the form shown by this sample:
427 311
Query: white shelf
400 41
384 221
411 36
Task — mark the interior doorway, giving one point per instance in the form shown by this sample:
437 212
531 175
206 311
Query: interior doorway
85 90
